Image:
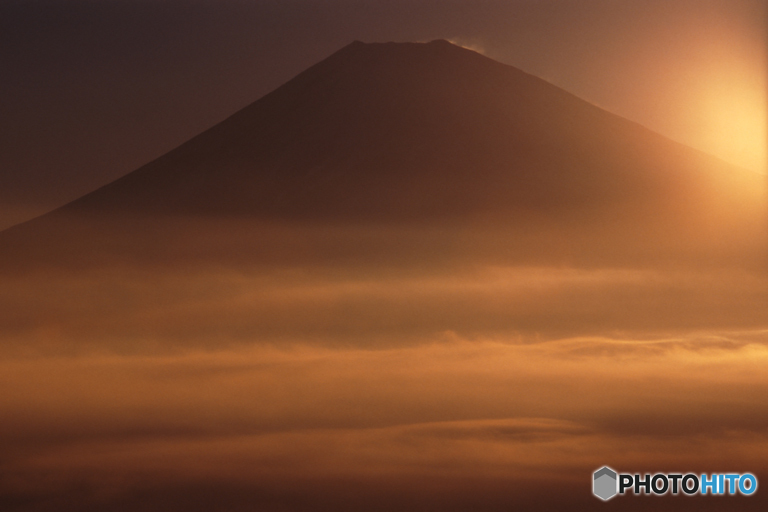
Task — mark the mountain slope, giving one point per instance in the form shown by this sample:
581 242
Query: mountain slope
393 133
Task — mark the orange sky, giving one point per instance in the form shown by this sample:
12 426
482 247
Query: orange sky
694 71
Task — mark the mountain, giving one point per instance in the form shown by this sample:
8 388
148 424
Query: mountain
414 134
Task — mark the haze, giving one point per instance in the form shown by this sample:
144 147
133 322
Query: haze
411 277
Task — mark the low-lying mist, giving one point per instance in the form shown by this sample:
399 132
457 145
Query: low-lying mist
225 364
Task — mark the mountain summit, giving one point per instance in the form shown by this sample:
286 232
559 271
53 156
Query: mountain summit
426 132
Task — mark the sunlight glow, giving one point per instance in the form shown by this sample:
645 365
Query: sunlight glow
738 127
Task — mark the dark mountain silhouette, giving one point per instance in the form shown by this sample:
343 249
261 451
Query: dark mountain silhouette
415 133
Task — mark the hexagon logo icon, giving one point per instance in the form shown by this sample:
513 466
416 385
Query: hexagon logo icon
605 483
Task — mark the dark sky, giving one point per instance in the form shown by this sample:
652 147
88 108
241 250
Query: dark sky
93 89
